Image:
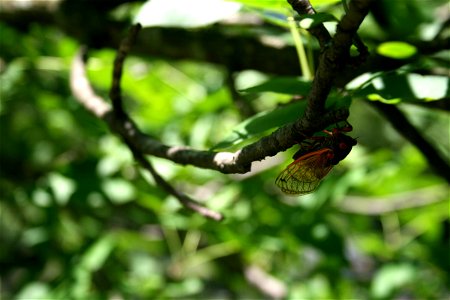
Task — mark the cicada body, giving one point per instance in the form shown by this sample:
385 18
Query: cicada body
316 157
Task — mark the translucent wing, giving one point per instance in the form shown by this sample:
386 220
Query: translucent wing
304 174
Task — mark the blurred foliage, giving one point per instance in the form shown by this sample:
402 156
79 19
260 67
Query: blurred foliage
80 220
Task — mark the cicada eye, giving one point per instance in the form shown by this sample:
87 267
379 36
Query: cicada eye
342 146
347 128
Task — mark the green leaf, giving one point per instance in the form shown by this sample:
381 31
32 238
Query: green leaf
309 21
393 88
118 190
262 122
34 290
63 187
274 17
323 2
282 85
397 50
267 4
181 13
97 254
268 120
391 277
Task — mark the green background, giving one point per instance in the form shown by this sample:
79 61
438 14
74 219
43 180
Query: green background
80 219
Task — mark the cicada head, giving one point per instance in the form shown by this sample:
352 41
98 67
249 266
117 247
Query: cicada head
341 146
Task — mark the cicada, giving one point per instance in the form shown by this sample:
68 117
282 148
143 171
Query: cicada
316 157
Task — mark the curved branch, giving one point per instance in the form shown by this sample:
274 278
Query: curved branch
82 89
184 199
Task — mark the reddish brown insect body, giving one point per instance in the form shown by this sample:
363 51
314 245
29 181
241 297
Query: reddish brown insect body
316 157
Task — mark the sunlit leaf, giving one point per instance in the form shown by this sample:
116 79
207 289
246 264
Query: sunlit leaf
396 87
266 4
34 290
63 187
118 190
396 50
324 2
97 254
181 13
391 277
34 236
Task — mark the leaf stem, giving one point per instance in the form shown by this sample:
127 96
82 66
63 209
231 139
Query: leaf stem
296 35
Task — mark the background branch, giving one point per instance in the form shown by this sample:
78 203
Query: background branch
82 89
182 198
242 103
115 92
409 132
394 203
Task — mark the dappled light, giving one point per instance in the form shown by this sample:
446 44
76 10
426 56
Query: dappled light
190 159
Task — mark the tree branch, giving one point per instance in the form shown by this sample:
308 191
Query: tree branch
182 198
96 105
394 203
409 132
225 162
82 89
334 56
140 144
243 104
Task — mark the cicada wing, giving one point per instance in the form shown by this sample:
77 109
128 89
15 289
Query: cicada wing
304 174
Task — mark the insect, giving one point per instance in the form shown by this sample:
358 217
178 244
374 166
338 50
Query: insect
316 157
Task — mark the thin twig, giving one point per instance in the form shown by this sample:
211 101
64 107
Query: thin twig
184 199
360 46
115 92
269 285
303 7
